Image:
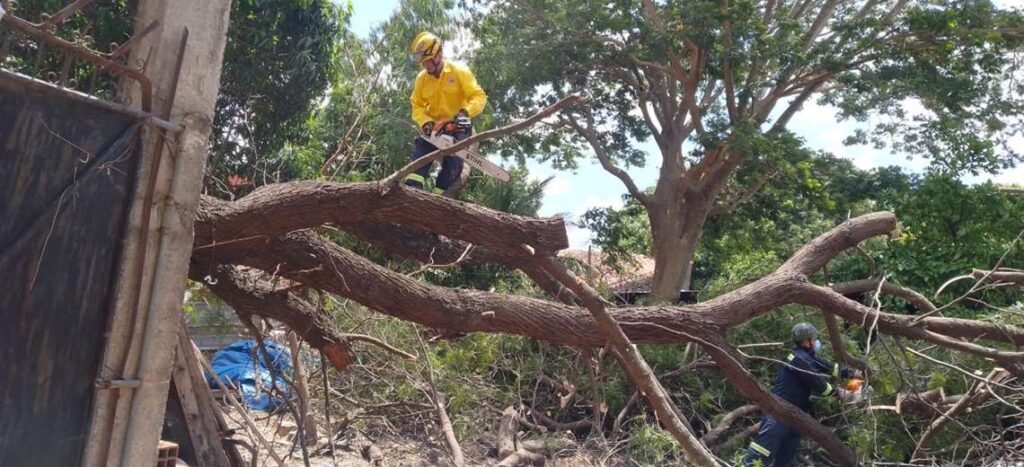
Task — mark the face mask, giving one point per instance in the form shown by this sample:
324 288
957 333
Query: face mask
817 345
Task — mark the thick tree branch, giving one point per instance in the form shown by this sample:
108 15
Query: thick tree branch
717 435
248 295
824 15
919 301
276 209
814 255
795 106
306 258
997 276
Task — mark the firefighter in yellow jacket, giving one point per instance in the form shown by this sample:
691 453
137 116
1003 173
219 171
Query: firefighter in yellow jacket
444 99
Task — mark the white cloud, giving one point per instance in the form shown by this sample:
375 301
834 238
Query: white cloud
1015 175
558 186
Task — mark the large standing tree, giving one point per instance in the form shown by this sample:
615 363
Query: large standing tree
715 83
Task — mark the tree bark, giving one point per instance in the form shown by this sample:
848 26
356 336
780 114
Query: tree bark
677 215
1009 277
675 244
277 209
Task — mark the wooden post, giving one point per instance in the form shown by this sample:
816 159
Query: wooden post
201 417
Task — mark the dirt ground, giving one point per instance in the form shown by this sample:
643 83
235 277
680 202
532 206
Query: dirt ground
372 447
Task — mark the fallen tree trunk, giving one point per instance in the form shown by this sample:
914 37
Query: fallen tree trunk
249 295
308 259
279 208
640 374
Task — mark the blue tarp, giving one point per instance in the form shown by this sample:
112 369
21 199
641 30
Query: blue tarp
235 364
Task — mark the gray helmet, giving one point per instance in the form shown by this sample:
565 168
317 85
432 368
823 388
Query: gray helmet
804 331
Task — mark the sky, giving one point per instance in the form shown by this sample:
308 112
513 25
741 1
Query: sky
573 193
367 13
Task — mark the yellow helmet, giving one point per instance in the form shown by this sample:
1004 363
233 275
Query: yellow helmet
425 47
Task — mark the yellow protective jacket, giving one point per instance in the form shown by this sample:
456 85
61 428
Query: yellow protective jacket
439 99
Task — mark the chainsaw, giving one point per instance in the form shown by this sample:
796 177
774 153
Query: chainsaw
857 391
470 155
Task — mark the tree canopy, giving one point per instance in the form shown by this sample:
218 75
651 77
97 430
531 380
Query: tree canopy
715 84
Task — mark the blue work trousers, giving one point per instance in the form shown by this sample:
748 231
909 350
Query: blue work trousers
451 166
775 444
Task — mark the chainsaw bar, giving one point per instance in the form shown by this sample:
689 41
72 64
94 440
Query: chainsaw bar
471 156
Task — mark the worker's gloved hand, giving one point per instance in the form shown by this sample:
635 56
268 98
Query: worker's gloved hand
462 121
427 128
446 127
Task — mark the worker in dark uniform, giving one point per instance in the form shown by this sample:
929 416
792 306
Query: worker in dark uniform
804 375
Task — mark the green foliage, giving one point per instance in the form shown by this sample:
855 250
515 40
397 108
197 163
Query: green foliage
952 56
475 353
278 61
948 228
955 58
650 445
619 233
